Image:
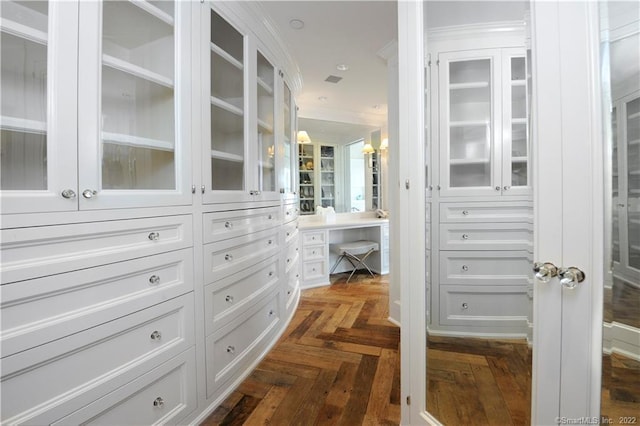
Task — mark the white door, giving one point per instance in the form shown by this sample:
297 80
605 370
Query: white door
568 200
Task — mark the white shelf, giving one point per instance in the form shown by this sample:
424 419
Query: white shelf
23 125
470 85
469 123
518 121
634 142
220 155
634 116
23 31
153 10
226 106
265 126
518 159
515 83
227 57
466 161
137 71
136 141
266 165
265 86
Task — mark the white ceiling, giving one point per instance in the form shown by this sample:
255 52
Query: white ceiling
339 32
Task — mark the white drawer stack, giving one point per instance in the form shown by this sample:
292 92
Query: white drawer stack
315 257
484 267
242 277
291 260
89 311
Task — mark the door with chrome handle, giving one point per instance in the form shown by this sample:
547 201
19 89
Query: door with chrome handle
569 277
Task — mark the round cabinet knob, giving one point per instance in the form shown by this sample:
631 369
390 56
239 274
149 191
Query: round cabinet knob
231 349
228 257
154 236
158 402
270 273
570 277
229 298
156 335
154 279
465 236
288 260
68 193
498 188
270 242
89 193
465 305
506 188
465 212
270 216
465 268
271 312
228 225
545 271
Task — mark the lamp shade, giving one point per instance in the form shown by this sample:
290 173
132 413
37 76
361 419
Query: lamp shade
368 149
384 144
303 137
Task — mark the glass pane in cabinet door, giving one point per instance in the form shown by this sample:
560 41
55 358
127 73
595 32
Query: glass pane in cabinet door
470 148
519 139
138 96
266 140
306 171
633 175
327 169
227 106
287 144
23 88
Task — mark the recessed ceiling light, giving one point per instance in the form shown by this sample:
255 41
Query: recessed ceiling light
342 67
296 24
322 98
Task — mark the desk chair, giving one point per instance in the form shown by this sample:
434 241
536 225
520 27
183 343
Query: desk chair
356 252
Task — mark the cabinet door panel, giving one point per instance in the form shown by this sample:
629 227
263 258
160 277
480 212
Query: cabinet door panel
134 86
38 120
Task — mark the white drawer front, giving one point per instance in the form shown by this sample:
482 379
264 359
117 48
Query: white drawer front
486 212
230 224
290 231
483 306
230 256
48 308
314 252
314 270
64 375
38 251
292 256
313 237
291 212
228 348
481 236
231 295
165 395
485 268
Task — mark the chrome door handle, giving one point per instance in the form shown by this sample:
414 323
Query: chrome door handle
545 271
570 277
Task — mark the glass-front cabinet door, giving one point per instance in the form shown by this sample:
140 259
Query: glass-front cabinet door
515 123
468 122
38 91
225 156
133 87
289 162
265 143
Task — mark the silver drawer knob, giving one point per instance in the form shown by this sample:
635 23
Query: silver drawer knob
228 257
270 217
570 277
465 236
89 193
465 305
270 273
465 268
270 242
154 236
158 402
498 188
271 312
229 299
68 193
545 271
156 335
465 212
231 349
228 225
154 279
288 260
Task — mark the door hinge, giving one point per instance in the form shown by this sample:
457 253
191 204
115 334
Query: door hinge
409 400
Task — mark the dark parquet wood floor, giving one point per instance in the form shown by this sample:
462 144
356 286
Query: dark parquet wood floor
338 364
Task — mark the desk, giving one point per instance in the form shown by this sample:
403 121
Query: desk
316 235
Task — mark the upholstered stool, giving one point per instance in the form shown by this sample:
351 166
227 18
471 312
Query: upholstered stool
356 252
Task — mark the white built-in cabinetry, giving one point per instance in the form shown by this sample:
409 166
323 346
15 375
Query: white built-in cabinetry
148 193
479 224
